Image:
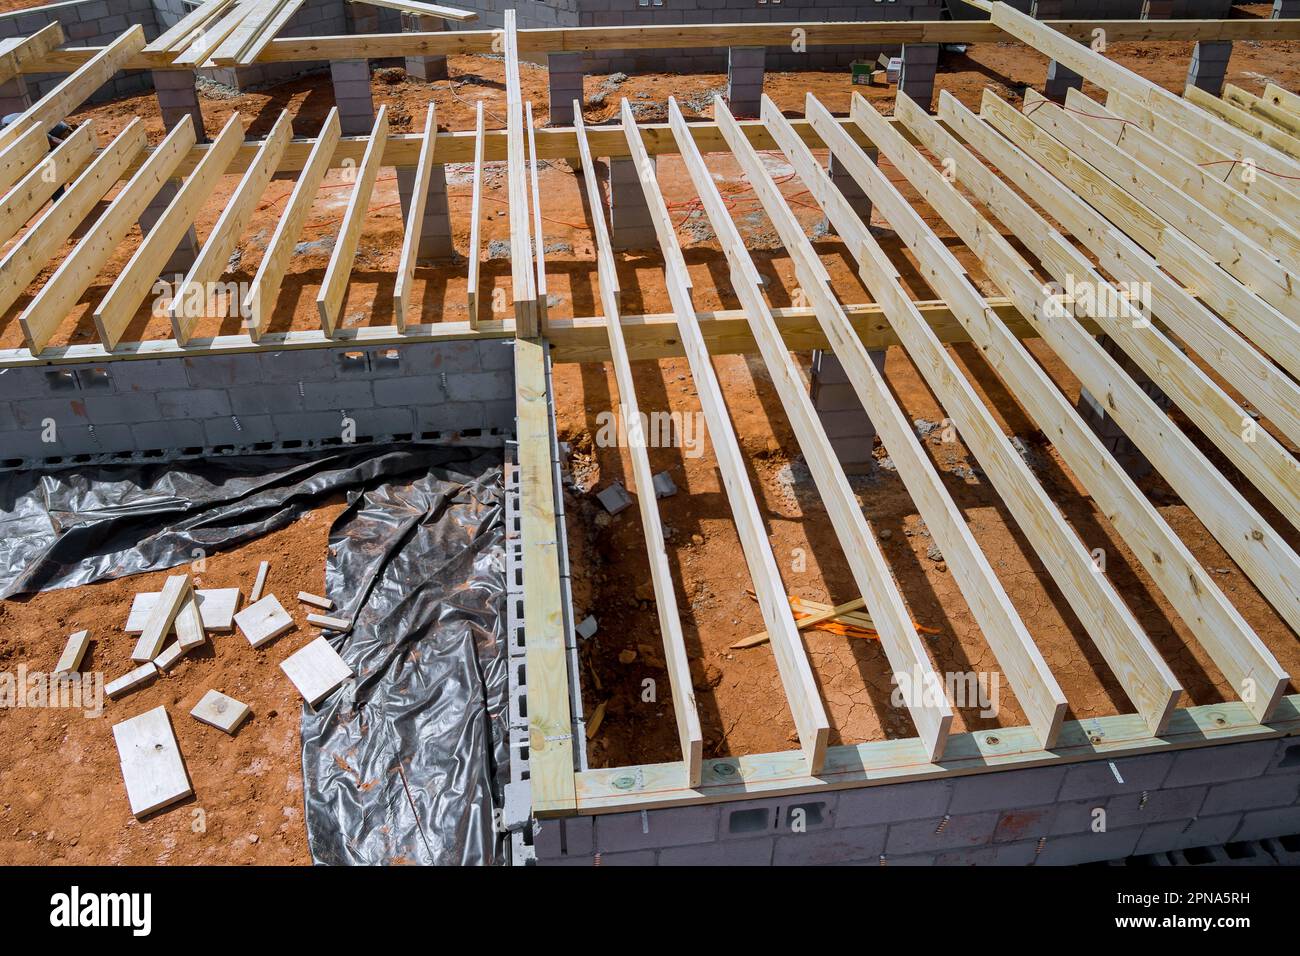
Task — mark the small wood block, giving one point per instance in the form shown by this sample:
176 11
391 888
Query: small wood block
316 670
168 658
260 584
264 620
161 616
217 607
151 762
73 652
189 626
330 623
325 604
131 680
217 710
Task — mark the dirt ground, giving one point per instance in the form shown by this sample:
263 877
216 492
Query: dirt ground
73 809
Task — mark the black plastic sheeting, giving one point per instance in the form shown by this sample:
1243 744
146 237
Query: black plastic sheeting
407 763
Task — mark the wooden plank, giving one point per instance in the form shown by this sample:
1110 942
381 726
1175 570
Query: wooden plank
217 710
51 230
329 300
152 766
1254 127
170 656
21 156
46 312
253 49
1216 623
61 101
259 585
28 49
689 735
208 40
315 600
422 9
539 243
192 300
217 607
131 680
329 623
193 21
189 626
259 304
316 670
415 219
523 282
118 307
1281 118
40 184
550 726
475 220
1282 98
73 653
170 600
858 542
263 620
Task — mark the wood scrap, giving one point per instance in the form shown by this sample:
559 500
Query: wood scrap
131 680
73 652
189 626
316 670
217 710
330 623
170 656
596 719
260 584
263 621
217 607
315 600
152 767
161 617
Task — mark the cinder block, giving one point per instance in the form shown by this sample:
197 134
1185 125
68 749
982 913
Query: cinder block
1095 779
732 853
170 435
1061 80
922 836
124 409
379 422
656 828
1287 757
237 430
1257 793
838 845
565 73
1209 65
265 399
480 386
223 371
1089 847
1006 789
1181 834
194 403
1219 764
1007 854
295 365
889 803
450 417
1026 823
320 396
497 354
93 440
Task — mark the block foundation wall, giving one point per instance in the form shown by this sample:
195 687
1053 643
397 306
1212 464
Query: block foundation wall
1042 816
256 401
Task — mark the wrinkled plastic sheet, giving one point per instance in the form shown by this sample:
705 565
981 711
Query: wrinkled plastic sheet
405 764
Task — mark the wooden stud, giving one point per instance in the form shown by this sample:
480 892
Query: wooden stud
23 155
36 188
152 766
131 680
189 626
170 656
315 600
415 220
217 607
522 279
538 241
334 286
25 50
1254 127
259 585
316 670
475 217
161 617
329 623
73 653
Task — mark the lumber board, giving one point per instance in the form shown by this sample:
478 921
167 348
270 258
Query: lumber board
175 593
39 244
259 585
192 299
315 600
152 766
259 303
248 53
208 40
172 37
539 242
689 735
858 542
131 680
66 162
316 670
422 9
1212 618
550 726
329 300
1281 118
217 710
22 155
189 625
475 222
1254 127
329 623
415 219
263 620
523 282
73 653
217 607
118 307
1282 98
62 290
24 50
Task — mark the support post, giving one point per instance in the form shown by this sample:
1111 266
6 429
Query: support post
14 96
435 228
1060 80
841 413
565 72
631 226
426 68
916 77
745 68
178 97
851 191
352 96
1157 9
187 251
1209 65
1112 436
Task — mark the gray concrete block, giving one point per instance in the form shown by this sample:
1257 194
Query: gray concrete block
923 836
295 365
838 845
497 354
1011 788
1029 823
379 422
194 403
1287 757
121 409
1181 834
170 435
656 828
1254 794
320 396
93 440
889 803
1089 847
737 853
1095 778
1060 80
1226 762
222 371
265 399
480 386
1008 854
565 73
61 411
8 422
1258 824
239 430
448 417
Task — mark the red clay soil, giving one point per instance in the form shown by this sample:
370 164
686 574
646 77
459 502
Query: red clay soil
74 809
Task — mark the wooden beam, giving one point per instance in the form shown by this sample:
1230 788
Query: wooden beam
1281 118
193 298
206 41
415 219
475 221
1237 651
1254 127
259 303
329 300
195 20
538 241
866 560
36 188
28 49
419 8
62 290
119 305
550 719
1283 99
22 155
523 282
689 735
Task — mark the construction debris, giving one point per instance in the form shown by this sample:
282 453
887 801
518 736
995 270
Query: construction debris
260 584
217 710
664 486
170 656
73 652
131 680
329 623
586 627
614 498
263 621
189 626
161 617
217 607
151 762
316 670
315 600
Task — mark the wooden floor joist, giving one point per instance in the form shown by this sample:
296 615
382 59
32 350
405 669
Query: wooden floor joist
415 220
475 222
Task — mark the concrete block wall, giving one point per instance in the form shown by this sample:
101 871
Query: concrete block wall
255 400
1043 816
